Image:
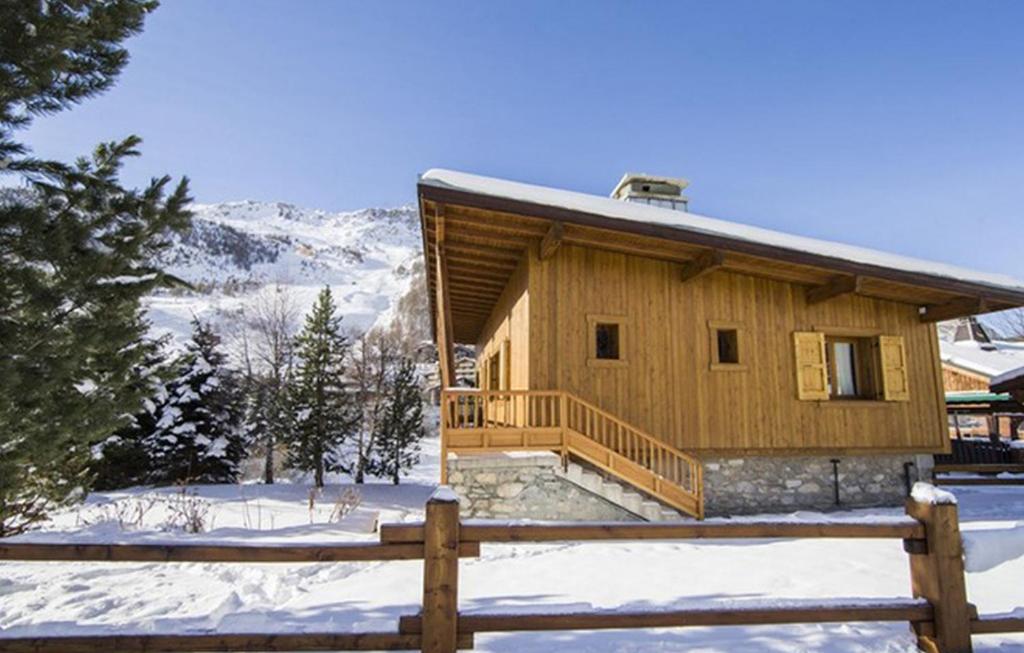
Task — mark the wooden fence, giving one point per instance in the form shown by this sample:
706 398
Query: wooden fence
975 452
938 610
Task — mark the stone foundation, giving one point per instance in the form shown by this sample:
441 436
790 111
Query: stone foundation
525 486
736 486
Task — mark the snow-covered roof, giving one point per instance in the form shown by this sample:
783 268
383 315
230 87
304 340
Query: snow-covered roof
988 359
644 214
1010 375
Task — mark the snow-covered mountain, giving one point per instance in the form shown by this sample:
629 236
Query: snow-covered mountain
237 249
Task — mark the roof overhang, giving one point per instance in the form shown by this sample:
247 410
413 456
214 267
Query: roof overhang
487 233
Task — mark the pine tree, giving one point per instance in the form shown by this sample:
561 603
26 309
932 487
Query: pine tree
198 436
76 252
401 429
123 459
323 409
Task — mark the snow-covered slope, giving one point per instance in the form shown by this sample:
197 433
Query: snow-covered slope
236 249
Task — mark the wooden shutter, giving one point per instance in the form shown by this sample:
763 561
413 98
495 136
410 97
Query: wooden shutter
811 366
506 355
893 357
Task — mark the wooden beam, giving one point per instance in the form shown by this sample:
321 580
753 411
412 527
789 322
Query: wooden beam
907 529
443 323
841 285
706 261
907 610
441 573
220 642
349 552
552 240
961 307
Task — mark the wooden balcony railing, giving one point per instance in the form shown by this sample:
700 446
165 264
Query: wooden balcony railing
478 421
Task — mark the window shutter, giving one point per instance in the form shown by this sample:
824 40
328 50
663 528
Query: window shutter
811 371
506 356
894 368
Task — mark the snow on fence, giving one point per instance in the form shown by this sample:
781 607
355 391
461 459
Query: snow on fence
938 611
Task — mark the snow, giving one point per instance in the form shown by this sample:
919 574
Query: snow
986 549
990 359
1009 375
634 212
235 250
928 493
126 279
91 598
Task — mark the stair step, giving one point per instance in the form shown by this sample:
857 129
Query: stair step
591 481
574 472
651 510
612 492
632 501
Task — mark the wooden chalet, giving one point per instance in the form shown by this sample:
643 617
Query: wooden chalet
663 348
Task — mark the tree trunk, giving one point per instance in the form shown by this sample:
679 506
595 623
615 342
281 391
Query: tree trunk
268 465
319 474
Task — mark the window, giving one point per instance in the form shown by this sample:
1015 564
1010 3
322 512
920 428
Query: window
851 368
726 343
728 346
607 340
831 364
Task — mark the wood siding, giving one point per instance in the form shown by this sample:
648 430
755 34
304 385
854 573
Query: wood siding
509 323
958 380
668 386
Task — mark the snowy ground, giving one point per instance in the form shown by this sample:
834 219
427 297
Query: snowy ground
90 598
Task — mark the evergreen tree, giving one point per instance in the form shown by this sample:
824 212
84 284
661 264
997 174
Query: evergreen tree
324 412
401 428
75 257
198 436
123 459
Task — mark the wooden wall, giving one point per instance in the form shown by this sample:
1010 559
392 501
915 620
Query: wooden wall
509 322
957 380
667 388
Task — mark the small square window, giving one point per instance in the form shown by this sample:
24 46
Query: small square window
728 346
606 341
852 367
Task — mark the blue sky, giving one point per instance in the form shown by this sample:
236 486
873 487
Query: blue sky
892 125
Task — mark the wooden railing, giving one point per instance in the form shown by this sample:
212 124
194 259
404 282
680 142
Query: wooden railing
477 421
938 611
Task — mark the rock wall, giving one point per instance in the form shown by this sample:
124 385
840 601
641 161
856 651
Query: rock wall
525 486
734 486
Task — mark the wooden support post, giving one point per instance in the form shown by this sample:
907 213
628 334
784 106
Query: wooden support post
563 423
956 308
441 573
707 261
938 577
841 285
552 240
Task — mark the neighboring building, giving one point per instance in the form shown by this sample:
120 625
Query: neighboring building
971 357
971 360
635 358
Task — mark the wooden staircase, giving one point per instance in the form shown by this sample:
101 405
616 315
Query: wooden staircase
482 421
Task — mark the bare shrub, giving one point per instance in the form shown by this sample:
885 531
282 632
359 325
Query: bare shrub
128 513
188 512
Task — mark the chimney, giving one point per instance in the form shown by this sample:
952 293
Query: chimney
666 192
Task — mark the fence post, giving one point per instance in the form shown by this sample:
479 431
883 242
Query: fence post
937 575
441 573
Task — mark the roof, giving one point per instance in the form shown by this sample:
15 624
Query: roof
493 221
987 359
978 397
1009 380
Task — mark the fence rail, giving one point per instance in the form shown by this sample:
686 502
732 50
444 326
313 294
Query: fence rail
938 610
